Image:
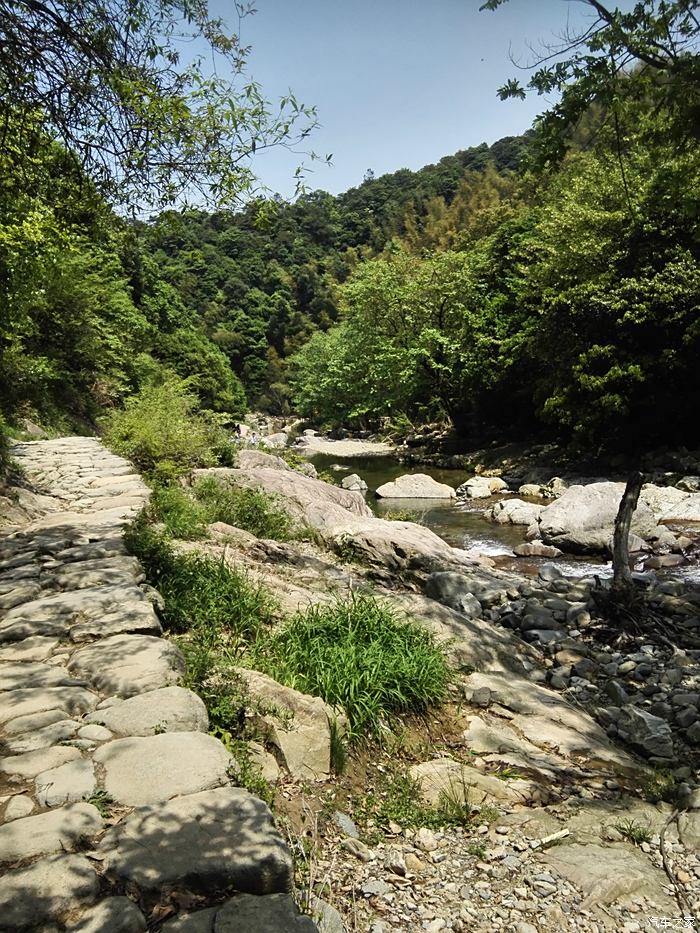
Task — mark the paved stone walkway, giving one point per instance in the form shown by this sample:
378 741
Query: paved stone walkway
116 807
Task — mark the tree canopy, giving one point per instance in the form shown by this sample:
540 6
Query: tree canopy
146 119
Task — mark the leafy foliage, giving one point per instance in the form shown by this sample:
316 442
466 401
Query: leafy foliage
108 78
160 430
358 655
250 509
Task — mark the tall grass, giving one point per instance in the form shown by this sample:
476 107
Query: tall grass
360 655
251 509
200 593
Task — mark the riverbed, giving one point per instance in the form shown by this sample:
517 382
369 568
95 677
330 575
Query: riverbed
460 522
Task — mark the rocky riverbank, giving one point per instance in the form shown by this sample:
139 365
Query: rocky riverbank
554 790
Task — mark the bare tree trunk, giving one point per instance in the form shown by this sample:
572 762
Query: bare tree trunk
622 585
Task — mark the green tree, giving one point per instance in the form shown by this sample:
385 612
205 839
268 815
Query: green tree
109 80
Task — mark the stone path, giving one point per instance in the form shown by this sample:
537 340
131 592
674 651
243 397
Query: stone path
117 810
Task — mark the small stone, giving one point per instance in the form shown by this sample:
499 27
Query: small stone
395 862
413 863
346 825
18 807
375 888
425 839
95 733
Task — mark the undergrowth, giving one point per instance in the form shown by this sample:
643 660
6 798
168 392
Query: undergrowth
357 654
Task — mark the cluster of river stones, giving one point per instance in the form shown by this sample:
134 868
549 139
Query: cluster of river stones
117 808
119 812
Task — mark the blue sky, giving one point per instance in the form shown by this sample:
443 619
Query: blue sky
397 83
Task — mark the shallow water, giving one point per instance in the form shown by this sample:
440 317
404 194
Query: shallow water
461 523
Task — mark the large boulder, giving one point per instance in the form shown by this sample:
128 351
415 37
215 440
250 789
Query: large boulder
415 486
481 487
583 519
669 504
513 512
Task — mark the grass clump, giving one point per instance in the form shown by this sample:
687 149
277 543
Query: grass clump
633 831
182 515
358 655
199 592
251 509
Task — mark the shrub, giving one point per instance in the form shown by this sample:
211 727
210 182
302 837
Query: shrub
250 509
358 654
161 431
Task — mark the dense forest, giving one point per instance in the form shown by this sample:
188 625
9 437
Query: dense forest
543 285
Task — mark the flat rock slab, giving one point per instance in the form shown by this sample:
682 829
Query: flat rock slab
45 891
90 602
607 874
170 709
37 648
548 721
136 619
59 830
275 913
30 764
14 676
444 778
215 839
125 665
112 915
18 703
148 770
69 783
60 731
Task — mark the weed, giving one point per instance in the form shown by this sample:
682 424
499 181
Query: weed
476 848
358 655
634 831
198 591
249 509
182 515
508 774
403 515
660 786
102 801
488 813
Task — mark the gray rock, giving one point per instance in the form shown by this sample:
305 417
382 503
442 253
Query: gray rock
18 703
57 732
478 487
536 549
33 721
33 896
646 732
37 648
326 916
346 825
169 709
136 619
274 913
693 734
201 921
129 664
454 590
513 512
415 486
73 781
151 769
303 739
582 519
95 733
353 481
215 839
112 915
59 830
28 765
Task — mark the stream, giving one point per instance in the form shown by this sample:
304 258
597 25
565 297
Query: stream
460 522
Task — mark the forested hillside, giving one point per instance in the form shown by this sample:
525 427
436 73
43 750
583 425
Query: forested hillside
547 284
